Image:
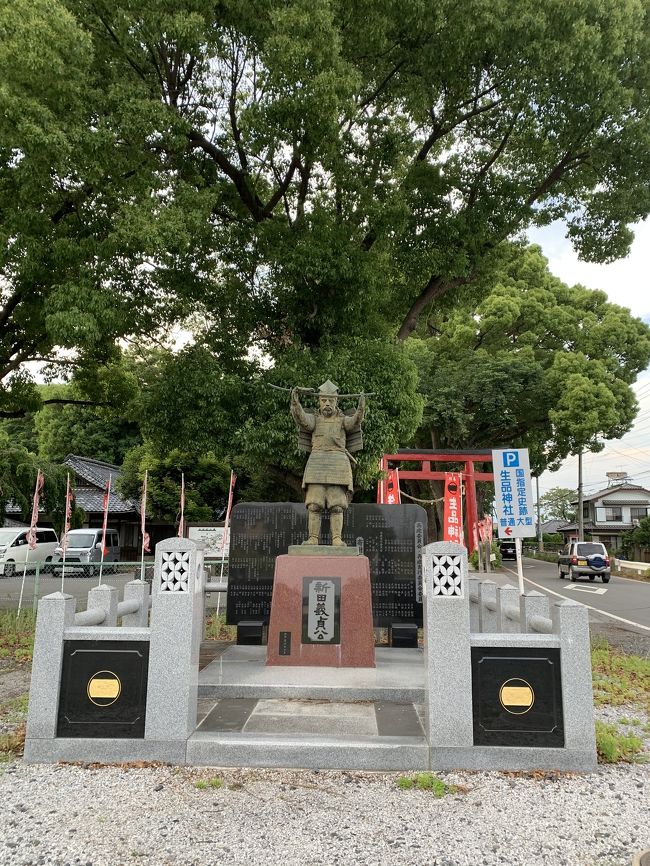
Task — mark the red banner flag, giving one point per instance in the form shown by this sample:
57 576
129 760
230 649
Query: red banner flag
143 514
453 520
392 488
31 535
68 516
106 504
224 537
181 522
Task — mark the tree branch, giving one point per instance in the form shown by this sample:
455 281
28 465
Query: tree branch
249 198
435 288
282 188
440 131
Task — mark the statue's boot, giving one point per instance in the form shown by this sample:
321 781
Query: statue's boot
314 527
336 525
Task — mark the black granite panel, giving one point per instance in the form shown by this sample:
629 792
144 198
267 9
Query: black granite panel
391 536
517 697
103 689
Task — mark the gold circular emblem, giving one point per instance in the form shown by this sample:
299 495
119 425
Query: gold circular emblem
516 696
104 688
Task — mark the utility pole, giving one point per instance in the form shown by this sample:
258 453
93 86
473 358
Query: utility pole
581 527
540 538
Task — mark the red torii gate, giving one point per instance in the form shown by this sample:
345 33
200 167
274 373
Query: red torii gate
425 473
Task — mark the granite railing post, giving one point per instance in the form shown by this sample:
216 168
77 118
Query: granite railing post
104 597
55 614
137 590
474 602
571 624
487 593
176 618
532 604
507 598
448 666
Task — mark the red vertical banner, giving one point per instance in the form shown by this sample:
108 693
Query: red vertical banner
143 514
453 520
68 516
181 522
31 535
392 488
224 537
107 499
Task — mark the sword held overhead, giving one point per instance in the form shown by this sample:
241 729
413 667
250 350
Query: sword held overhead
314 392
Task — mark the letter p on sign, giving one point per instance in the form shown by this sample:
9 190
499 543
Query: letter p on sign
510 458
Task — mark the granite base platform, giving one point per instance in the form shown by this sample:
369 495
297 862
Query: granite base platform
241 672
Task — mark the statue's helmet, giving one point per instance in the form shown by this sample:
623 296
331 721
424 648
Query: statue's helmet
328 389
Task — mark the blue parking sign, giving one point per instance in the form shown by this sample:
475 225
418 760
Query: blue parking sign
513 497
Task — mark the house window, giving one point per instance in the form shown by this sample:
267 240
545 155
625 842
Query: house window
638 513
614 514
585 509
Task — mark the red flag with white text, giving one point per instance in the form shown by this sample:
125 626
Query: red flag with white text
224 538
392 488
106 503
68 515
453 516
143 514
181 522
31 535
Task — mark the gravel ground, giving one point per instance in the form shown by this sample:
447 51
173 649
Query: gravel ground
69 815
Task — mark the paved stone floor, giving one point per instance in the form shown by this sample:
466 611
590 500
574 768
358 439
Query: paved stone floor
326 718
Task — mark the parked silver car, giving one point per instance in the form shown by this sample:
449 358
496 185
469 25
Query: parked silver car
84 551
584 559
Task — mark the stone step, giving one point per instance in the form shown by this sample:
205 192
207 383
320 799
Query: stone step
306 751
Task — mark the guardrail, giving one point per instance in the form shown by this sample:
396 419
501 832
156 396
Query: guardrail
500 609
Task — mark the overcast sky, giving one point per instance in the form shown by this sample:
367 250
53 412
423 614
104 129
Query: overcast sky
626 283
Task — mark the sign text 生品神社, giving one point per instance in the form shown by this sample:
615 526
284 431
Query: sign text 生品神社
513 495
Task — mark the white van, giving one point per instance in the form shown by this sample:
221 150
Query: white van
14 549
84 551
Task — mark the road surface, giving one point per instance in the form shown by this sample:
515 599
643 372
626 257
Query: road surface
622 601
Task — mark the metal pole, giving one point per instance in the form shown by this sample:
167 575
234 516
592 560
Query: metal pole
540 537
37 581
520 566
581 525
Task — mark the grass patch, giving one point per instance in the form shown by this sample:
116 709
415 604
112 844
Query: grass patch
426 782
12 744
17 635
216 628
619 678
614 746
15 710
214 782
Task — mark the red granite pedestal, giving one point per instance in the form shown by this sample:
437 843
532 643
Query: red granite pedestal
308 626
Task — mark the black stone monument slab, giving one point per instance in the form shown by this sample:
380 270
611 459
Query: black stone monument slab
517 697
103 689
391 536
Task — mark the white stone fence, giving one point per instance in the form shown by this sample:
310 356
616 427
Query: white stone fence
104 609
167 643
500 609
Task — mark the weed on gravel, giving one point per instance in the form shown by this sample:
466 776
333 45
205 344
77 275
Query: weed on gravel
17 635
427 782
619 678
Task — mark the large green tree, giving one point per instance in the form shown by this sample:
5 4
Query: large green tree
557 504
298 169
532 362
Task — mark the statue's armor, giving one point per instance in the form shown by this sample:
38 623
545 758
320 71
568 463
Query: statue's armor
328 463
